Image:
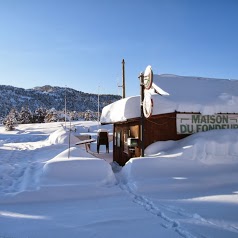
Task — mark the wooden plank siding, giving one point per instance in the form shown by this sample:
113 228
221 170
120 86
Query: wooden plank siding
157 128
161 128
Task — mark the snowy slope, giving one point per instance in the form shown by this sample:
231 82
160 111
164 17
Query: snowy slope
186 188
49 97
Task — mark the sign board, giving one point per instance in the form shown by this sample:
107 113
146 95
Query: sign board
148 77
192 123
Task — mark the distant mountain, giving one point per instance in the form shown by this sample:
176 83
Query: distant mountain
51 97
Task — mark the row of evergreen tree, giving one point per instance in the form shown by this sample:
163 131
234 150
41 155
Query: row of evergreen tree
41 115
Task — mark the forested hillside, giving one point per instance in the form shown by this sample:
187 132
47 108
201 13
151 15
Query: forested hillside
49 97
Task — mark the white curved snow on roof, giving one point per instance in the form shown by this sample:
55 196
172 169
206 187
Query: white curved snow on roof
121 110
182 94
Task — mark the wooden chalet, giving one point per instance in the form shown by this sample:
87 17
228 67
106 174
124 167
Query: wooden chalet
179 107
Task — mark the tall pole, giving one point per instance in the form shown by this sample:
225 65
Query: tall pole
98 103
65 109
123 79
142 117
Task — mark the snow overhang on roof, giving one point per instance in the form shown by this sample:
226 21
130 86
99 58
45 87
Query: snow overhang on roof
172 93
121 110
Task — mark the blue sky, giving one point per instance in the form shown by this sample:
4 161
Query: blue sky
81 43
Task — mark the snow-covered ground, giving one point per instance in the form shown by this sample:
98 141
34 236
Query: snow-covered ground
187 188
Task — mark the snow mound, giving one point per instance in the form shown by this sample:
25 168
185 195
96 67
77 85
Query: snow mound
76 169
176 158
211 147
61 136
159 147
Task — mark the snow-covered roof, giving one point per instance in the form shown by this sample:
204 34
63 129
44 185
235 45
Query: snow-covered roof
179 93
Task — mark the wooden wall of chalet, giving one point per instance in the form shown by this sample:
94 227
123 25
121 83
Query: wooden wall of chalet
161 128
157 128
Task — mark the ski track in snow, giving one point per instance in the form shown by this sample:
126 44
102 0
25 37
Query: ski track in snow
196 217
20 166
22 171
149 206
161 211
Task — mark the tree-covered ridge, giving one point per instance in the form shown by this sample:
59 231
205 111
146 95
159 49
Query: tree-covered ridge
48 97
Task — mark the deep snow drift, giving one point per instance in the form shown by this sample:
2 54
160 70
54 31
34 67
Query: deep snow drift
186 188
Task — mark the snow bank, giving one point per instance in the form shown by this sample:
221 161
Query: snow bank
211 148
79 168
61 136
159 147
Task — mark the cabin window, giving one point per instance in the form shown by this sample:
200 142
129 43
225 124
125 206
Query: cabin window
115 138
118 139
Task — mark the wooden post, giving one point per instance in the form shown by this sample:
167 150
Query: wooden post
123 79
142 118
65 109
